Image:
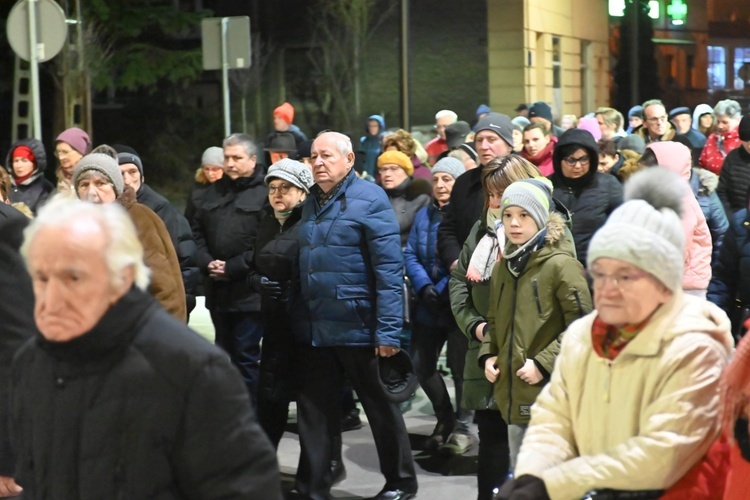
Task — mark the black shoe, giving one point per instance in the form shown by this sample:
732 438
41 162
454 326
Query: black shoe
338 472
440 435
394 495
351 421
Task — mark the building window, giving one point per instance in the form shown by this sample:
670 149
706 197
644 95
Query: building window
717 68
741 68
556 63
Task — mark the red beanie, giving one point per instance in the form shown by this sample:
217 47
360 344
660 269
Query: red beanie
286 112
24 152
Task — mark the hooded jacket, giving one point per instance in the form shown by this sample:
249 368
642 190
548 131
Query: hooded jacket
734 181
35 190
640 421
159 255
717 147
700 109
704 184
698 244
138 407
527 316
590 198
371 145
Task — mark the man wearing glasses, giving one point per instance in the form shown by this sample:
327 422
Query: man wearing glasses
656 126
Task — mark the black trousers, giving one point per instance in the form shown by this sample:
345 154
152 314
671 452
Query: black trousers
426 344
239 334
319 417
494 453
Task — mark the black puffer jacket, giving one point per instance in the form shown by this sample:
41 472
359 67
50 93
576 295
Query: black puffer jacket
36 189
179 230
284 320
406 199
16 311
734 181
224 228
590 198
138 407
465 207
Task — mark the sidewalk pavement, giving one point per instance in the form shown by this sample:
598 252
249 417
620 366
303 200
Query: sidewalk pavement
439 477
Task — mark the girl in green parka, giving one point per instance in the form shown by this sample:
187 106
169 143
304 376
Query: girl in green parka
470 305
536 291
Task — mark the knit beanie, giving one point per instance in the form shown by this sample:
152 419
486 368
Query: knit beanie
126 154
24 152
520 121
498 123
592 126
633 142
448 165
76 139
103 164
541 109
646 230
636 111
396 158
744 128
286 112
291 171
483 109
533 195
213 156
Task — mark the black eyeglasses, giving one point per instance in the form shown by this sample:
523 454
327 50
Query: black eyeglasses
572 160
283 189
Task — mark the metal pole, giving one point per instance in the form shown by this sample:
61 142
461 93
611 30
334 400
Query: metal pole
225 75
634 79
34 68
404 66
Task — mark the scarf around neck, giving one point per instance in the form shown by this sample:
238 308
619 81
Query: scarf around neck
517 257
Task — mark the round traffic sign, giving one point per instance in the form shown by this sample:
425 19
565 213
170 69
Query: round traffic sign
51 32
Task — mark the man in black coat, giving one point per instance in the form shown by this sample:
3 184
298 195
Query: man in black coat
16 325
494 137
178 226
115 398
225 229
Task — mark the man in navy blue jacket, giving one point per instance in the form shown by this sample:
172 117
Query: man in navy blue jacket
351 272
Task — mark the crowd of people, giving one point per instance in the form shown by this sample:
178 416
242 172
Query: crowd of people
587 282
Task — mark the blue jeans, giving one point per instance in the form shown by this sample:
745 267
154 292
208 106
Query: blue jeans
239 335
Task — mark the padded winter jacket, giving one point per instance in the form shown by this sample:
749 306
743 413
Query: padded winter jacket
351 267
527 316
138 407
734 181
703 183
35 190
640 421
698 245
407 199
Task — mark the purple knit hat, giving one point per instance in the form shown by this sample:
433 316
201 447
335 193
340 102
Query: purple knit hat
76 139
591 125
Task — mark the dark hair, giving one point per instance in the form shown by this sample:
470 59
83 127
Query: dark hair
566 150
607 147
649 158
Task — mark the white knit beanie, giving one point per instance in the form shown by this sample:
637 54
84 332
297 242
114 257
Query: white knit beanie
646 230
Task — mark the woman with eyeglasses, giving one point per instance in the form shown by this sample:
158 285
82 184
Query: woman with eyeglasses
70 146
728 114
632 409
588 194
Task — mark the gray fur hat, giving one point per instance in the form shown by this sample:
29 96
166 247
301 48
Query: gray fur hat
646 230
291 171
213 156
450 166
104 165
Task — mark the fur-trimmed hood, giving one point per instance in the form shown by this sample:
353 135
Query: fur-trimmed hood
127 199
556 228
704 181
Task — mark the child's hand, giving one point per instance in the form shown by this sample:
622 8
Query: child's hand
473 274
529 373
490 369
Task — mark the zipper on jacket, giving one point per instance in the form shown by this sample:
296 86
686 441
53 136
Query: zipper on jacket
510 351
535 285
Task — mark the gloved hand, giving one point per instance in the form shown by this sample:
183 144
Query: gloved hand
526 487
273 290
429 297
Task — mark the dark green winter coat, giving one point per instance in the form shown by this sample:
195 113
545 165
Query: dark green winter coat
528 315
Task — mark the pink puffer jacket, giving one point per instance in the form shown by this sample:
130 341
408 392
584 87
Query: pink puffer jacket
698 246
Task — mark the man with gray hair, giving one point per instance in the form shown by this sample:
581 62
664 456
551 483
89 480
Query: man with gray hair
114 397
351 274
656 125
439 144
224 229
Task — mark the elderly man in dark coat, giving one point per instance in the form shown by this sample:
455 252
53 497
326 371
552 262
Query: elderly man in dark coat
116 398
